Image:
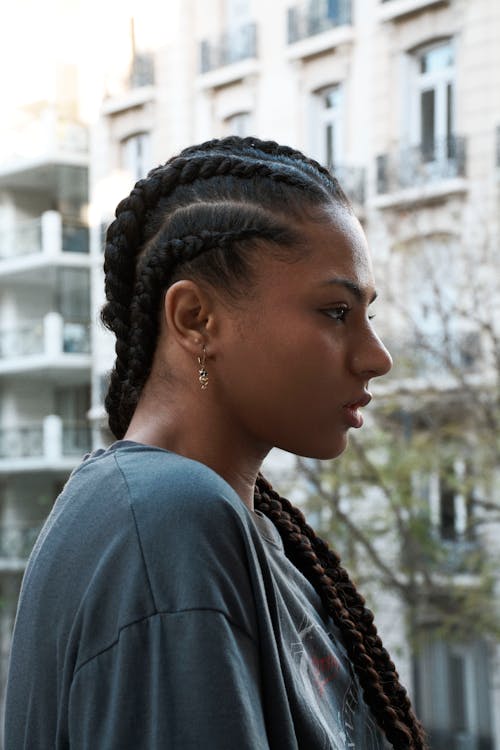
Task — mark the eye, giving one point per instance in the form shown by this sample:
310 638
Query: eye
339 312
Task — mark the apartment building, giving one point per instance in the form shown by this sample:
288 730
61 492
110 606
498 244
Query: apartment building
400 99
45 360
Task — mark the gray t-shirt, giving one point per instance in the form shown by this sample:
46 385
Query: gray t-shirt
158 612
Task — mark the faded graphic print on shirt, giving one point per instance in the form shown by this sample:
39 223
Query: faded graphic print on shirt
327 680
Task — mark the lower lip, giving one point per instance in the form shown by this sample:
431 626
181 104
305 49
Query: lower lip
354 417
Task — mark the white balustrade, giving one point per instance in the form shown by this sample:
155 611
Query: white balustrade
51 233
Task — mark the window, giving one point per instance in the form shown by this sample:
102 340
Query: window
238 124
237 13
452 693
136 155
330 126
433 116
456 501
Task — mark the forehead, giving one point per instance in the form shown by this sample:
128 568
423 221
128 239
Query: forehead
337 245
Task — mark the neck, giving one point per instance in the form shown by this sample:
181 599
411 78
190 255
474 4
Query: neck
193 429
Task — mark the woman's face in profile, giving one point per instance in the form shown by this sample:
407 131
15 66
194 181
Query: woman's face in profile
300 349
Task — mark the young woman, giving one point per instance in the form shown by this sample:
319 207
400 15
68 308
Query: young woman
174 599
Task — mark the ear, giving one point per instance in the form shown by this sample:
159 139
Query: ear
189 311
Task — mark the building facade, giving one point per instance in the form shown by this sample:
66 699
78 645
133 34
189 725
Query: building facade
399 98
45 355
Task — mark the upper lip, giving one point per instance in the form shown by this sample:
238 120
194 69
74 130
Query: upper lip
363 400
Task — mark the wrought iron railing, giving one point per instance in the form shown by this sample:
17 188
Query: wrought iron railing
27 238
142 70
422 164
427 355
317 16
23 239
30 338
22 441
17 540
23 341
76 438
72 438
352 182
232 46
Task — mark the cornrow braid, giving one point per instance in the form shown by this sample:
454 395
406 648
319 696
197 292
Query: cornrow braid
155 270
377 675
123 245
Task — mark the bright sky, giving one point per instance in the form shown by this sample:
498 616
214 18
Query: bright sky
93 33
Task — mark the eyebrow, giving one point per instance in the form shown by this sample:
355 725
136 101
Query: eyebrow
354 288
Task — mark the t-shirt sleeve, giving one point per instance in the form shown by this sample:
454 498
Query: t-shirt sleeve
178 681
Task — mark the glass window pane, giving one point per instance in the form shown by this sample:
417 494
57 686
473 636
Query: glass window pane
458 702
332 98
437 58
427 123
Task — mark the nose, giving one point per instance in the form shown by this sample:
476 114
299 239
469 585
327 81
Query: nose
371 359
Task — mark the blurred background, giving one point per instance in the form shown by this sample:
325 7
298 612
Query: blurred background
401 100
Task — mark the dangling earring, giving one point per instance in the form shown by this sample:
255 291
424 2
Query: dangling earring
202 371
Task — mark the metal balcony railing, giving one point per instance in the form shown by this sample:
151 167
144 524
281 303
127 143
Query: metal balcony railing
23 441
352 182
52 438
51 335
317 16
48 234
422 164
17 540
432 354
142 70
232 46
40 132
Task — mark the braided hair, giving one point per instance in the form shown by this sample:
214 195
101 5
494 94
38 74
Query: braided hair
200 216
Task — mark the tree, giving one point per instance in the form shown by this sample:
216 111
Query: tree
413 505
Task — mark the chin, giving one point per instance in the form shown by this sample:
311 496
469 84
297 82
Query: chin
326 451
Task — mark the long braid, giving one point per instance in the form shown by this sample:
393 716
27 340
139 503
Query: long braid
386 697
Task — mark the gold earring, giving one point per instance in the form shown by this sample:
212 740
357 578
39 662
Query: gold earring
202 371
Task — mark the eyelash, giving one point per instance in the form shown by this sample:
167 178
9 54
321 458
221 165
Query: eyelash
343 310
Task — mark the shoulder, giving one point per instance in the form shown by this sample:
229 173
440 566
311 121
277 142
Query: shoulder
196 535
162 483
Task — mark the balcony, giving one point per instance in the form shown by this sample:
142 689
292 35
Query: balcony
46 153
136 88
50 347
318 26
438 360
352 182
422 172
230 57
316 17
16 543
51 444
30 246
398 9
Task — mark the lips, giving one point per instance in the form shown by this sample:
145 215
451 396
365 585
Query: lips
354 417
364 400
